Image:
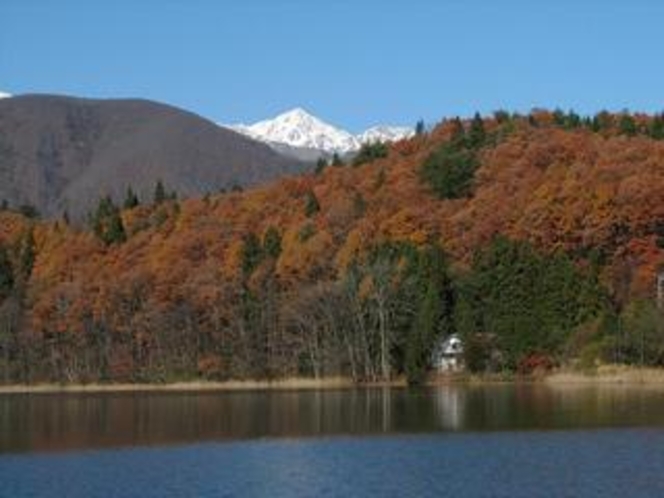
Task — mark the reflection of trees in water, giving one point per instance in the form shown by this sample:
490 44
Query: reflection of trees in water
43 422
450 404
102 420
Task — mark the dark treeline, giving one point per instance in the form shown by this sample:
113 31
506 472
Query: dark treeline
27 210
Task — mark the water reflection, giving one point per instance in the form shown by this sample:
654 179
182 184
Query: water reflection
40 422
449 405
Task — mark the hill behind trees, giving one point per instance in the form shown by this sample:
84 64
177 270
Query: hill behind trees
61 153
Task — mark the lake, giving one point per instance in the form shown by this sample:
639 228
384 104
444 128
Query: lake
488 440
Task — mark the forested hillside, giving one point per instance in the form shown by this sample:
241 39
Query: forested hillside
536 237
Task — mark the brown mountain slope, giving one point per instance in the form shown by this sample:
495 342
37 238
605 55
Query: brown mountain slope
61 153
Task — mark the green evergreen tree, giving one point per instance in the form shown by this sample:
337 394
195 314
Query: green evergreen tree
458 131
311 206
656 127
476 134
27 253
252 254
559 118
529 301
370 152
115 233
572 120
501 116
29 211
107 222
420 128
272 242
602 121
6 273
336 160
321 164
307 231
658 229
359 204
131 199
159 193
7 277
627 125
433 302
642 341
450 170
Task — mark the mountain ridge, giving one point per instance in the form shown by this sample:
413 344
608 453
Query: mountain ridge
300 129
60 153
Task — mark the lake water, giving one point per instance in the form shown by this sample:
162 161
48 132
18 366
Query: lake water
496 440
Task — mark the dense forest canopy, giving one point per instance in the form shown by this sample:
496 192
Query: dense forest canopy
534 236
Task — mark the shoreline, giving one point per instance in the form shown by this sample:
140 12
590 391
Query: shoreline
287 384
605 375
608 375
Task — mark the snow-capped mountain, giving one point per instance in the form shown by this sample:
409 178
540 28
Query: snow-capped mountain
5 95
385 134
298 128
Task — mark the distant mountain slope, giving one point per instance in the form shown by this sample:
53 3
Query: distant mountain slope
61 153
298 129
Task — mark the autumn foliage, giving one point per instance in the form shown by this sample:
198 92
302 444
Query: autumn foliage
183 297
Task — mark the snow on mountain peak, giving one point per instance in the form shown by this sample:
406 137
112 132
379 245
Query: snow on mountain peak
299 128
297 114
5 95
385 134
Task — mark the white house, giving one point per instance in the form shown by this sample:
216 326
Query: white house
448 354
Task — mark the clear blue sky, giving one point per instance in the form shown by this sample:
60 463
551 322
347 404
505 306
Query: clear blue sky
354 63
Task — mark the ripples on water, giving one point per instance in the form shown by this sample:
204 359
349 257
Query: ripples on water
608 463
504 440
